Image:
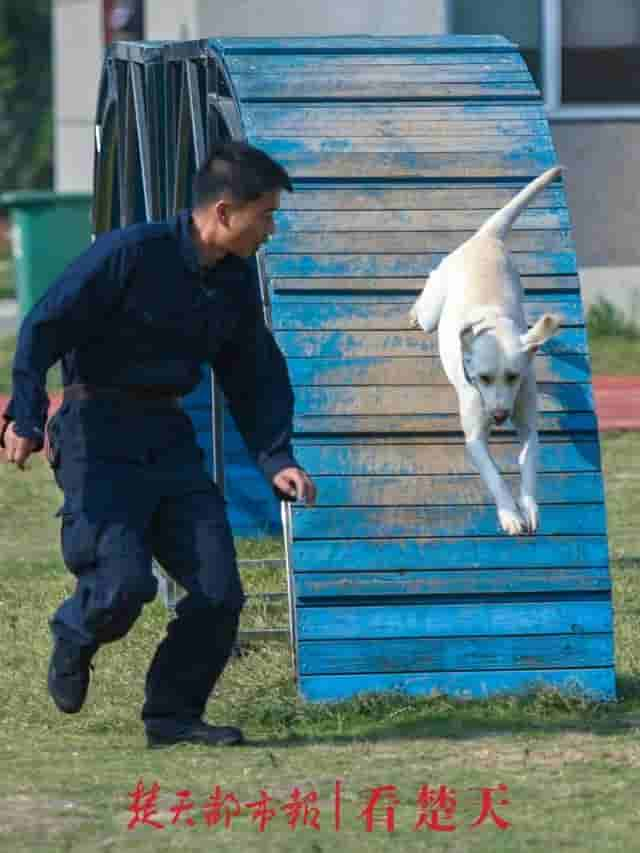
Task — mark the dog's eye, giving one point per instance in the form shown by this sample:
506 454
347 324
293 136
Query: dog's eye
485 378
511 377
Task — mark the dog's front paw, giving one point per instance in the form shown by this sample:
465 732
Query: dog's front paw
529 509
511 521
414 323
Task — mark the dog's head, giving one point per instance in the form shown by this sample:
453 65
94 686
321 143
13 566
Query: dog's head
496 357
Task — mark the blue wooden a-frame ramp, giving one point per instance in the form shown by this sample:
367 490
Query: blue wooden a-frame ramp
400 577
399 148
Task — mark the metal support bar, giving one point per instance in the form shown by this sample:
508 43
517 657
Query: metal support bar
551 43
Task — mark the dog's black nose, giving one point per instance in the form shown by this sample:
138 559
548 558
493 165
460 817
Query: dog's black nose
500 416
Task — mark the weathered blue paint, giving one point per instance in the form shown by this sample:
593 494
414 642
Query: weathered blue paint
332 344
398 149
362 44
380 585
597 684
373 265
484 617
448 489
433 521
458 653
358 458
499 552
419 370
389 311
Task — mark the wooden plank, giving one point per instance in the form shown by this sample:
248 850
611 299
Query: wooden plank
418 399
276 87
363 343
395 265
503 552
421 370
365 44
413 286
438 198
277 63
315 118
425 165
433 423
411 242
414 143
412 220
327 74
489 618
447 489
310 586
598 684
403 459
388 522
343 657
396 126
386 314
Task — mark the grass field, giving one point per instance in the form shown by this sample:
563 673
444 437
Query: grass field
570 767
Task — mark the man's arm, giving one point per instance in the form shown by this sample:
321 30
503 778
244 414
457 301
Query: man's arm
71 311
254 378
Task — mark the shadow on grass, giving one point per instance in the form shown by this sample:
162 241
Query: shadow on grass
374 717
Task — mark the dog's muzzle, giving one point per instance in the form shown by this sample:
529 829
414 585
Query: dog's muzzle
500 416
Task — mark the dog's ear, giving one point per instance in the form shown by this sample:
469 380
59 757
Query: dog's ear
545 328
475 324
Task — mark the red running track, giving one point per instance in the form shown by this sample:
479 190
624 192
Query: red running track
617 402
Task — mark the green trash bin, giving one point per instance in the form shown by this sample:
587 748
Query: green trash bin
48 230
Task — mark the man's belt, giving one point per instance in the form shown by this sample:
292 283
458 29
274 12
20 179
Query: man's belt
141 394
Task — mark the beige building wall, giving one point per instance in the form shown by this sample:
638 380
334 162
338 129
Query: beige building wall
208 18
602 180
77 45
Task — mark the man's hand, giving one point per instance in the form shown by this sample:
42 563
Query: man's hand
297 484
17 449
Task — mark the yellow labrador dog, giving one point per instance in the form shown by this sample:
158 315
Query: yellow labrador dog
474 299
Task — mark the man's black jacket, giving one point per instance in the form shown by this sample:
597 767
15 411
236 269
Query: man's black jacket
136 309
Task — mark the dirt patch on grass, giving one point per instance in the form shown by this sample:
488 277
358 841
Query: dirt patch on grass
39 815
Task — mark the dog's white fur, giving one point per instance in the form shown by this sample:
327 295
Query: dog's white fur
474 299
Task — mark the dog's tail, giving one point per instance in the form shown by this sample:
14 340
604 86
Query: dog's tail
499 224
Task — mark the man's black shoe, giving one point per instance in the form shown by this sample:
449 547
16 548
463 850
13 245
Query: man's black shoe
197 732
68 678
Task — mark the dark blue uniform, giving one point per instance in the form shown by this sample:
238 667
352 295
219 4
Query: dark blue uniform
136 311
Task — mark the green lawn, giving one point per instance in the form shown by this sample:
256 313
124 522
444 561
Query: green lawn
570 767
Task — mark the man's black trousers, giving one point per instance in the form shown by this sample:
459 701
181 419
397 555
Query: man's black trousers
135 487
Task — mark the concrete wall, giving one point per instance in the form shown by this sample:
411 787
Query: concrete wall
603 192
77 44
204 18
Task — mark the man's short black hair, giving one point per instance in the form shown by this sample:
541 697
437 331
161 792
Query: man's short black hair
239 170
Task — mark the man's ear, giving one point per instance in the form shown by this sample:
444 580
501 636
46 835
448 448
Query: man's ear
540 332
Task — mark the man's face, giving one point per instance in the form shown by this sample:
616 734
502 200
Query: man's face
243 228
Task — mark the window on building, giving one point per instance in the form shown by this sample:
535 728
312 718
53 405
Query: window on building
600 51
584 55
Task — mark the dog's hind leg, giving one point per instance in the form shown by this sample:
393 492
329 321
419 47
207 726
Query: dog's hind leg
427 308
